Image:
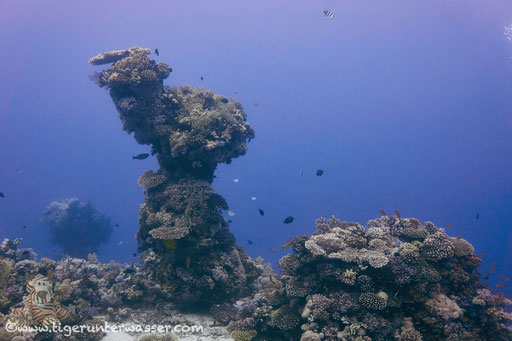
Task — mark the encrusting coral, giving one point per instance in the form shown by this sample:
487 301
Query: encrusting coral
190 131
394 279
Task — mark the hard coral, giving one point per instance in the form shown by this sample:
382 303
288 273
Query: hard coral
150 179
444 306
380 289
438 246
190 131
243 335
76 226
374 301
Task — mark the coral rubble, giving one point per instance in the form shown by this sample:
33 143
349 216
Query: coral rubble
190 131
394 279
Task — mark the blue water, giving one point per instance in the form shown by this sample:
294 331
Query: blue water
406 105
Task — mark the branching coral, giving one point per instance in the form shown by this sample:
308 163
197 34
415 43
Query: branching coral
438 246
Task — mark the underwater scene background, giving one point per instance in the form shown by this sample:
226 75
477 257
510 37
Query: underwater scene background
403 106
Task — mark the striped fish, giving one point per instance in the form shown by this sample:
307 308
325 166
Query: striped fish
328 14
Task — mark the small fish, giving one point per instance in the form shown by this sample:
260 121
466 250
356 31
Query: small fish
493 269
134 255
262 213
171 244
501 276
140 156
301 172
397 214
24 226
120 243
187 262
224 100
202 78
156 52
287 245
116 225
236 180
448 225
273 250
249 242
482 255
494 263
477 216
230 221
288 220
319 172
253 198
382 212
19 171
231 213
2 195
236 92
328 14
256 103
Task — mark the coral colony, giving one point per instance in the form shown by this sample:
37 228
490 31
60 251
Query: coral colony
76 226
190 131
393 279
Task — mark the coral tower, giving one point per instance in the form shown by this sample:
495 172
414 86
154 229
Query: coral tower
186 241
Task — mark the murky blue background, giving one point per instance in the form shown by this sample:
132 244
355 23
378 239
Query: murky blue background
406 105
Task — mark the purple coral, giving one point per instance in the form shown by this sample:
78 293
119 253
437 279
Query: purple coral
343 303
402 271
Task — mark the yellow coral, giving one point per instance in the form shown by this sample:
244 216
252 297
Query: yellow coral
243 335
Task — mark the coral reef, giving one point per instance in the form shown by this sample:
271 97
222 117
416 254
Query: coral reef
76 226
193 254
91 293
394 279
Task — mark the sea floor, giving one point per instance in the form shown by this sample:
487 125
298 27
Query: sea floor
164 316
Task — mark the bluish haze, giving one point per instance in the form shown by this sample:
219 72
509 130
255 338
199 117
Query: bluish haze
406 105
